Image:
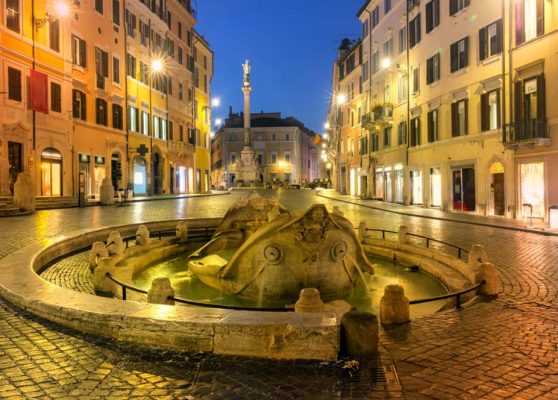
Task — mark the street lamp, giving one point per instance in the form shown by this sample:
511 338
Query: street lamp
215 102
327 125
59 10
386 63
340 99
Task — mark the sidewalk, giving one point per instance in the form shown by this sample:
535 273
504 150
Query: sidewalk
431 213
136 199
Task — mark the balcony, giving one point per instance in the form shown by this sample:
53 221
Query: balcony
412 4
380 114
527 133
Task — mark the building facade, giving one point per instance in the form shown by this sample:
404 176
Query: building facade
117 80
452 120
286 151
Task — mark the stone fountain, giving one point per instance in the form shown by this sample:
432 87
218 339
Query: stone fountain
261 251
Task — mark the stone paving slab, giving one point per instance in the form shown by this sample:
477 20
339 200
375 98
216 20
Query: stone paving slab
507 348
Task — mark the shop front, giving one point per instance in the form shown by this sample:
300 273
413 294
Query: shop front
51 172
463 189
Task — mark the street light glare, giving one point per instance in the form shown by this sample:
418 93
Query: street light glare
215 102
156 65
218 121
326 126
386 63
325 136
61 9
341 99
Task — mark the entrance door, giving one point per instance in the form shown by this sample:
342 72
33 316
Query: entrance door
499 199
115 170
171 180
51 172
15 160
464 189
140 176
156 175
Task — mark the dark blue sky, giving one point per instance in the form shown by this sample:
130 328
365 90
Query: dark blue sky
291 45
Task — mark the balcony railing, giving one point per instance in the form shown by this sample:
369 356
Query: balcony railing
531 131
378 115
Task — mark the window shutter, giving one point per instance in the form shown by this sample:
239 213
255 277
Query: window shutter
518 103
540 17
105 64
499 112
466 116
520 21
418 28
83 106
454 120
499 37
482 43
83 53
485 113
454 62
429 71
466 3
541 99
466 56
436 12
429 18
453 7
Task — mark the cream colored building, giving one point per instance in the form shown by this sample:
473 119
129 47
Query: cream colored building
438 86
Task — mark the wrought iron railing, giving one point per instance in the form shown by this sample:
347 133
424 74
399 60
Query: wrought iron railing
524 130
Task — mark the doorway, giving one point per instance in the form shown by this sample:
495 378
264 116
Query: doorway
497 194
51 172
156 173
115 170
171 179
464 189
140 176
15 161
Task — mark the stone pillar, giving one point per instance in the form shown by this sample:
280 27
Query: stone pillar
107 192
160 291
402 237
182 231
489 273
477 255
115 244
98 249
142 237
309 301
394 305
246 89
100 280
359 333
24 192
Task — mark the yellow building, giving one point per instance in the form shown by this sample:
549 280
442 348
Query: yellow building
203 73
117 79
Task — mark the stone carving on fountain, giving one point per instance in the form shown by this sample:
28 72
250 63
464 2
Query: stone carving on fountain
263 251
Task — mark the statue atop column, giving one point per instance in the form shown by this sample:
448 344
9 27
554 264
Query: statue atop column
246 67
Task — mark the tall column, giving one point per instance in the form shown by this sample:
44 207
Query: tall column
246 89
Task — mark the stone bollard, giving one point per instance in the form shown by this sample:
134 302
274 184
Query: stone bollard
489 273
100 280
107 192
98 249
362 230
182 231
309 301
337 211
24 192
394 305
359 335
142 237
115 244
160 291
402 237
477 255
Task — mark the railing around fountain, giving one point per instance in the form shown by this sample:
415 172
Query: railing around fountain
460 250
126 287
457 296
194 234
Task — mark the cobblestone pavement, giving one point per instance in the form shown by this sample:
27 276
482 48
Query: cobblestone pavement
507 348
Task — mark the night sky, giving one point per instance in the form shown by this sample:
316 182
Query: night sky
291 45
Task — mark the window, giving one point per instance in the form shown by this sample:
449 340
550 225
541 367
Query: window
171 130
490 110
101 112
13 15
363 145
433 69
287 137
433 126
416 80
78 104
79 52
156 127
415 132
273 158
189 38
388 48
179 55
55 97
402 39
180 91
402 88
273 138
402 133
144 73
457 5
99 6
365 29
145 122
374 143
387 6
287 157
459 54
144 33
529 17
490 40
131 25
387 136
133 119
459 113
14 84
179 30
414 31
375 62
233 158
117 120
101 67
54 35
115 70
375 17
432 15
116 12
181 133
131 65
352 118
